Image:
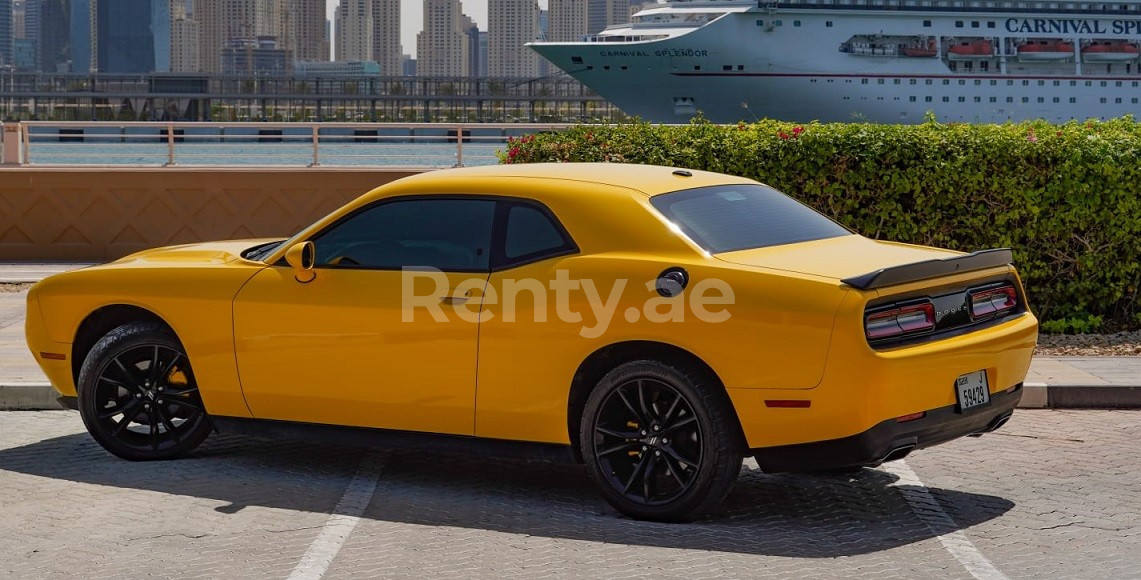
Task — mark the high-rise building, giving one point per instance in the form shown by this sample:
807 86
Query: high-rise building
605 13
258 56
219 21
123 46
82 28
354 34
18 17
476 66
568 20
442 46
7 44
31 20
386 48
110 38
184 31
53 37
307 38
511 25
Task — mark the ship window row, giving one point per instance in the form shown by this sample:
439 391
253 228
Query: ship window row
959 23
993 83
1025 100
966 5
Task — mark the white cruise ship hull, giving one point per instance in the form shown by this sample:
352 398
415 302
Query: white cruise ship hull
801 64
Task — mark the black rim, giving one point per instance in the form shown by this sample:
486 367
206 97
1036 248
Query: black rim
146 398
647 441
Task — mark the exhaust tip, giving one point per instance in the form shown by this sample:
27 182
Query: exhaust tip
898 453
999 422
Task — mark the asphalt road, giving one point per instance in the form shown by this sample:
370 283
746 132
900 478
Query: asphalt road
1054 494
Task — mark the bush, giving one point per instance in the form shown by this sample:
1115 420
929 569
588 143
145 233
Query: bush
1066 198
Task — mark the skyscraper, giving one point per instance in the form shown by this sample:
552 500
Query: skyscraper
123 46
184 30
82 27
115 42
307 18
54 35
219 21
512 24
442 46
354 35
568 20
386 48
605 13
18 18
7 43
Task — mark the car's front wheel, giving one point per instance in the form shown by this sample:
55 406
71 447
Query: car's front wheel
659 442
138 397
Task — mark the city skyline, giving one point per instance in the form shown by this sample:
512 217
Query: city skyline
412 18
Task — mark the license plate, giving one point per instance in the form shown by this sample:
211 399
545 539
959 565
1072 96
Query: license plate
972 390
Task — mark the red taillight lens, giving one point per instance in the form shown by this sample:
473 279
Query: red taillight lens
900 321
987 303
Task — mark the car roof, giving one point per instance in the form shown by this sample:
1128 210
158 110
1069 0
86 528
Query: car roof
649 180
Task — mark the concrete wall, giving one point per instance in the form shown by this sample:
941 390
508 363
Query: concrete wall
99 214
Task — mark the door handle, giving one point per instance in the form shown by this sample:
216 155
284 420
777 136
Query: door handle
454 299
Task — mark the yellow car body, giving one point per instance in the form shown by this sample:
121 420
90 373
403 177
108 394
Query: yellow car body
793 355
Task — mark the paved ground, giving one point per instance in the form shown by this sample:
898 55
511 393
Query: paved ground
1055 494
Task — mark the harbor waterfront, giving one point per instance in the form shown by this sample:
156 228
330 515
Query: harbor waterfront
237 98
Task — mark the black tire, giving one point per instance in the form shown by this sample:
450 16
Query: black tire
135 408
627 448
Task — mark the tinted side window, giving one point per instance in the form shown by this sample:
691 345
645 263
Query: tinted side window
449 234
531 232
725 218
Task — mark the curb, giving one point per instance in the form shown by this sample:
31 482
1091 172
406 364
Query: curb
40 396
30 396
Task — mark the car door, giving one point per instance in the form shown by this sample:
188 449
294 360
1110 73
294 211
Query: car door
364 343
528 347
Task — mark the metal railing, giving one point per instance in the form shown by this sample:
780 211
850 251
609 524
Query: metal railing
166 144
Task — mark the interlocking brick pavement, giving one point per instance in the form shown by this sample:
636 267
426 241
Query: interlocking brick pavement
1053 494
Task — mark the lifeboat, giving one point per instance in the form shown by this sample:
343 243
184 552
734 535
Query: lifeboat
920 50
1045 50
1110 51
970 49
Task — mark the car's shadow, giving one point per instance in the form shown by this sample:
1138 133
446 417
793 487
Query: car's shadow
777 515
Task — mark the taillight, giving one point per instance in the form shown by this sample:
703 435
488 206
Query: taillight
900 321
992 302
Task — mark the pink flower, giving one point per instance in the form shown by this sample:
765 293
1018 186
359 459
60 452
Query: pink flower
797 130
783 135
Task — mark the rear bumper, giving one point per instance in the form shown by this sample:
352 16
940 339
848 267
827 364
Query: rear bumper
889 439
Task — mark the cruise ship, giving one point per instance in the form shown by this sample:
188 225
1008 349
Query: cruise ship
890 61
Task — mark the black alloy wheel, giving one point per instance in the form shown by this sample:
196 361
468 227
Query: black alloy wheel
138 397
659 442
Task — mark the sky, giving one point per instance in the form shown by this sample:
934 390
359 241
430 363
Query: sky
412 18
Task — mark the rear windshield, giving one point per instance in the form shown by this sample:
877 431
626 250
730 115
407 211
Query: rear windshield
725 218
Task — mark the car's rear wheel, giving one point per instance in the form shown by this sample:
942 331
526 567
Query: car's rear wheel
660 443
138 397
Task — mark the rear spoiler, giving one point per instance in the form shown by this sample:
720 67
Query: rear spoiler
927 269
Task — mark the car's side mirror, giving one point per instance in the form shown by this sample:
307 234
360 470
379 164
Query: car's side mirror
301 257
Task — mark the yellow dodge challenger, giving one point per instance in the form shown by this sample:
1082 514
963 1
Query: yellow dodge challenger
655 324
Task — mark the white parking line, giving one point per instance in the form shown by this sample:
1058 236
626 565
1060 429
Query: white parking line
341 522
927 508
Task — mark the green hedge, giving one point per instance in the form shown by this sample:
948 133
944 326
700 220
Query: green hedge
1066 198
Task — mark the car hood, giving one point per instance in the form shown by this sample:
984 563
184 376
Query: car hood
201 253
836 258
